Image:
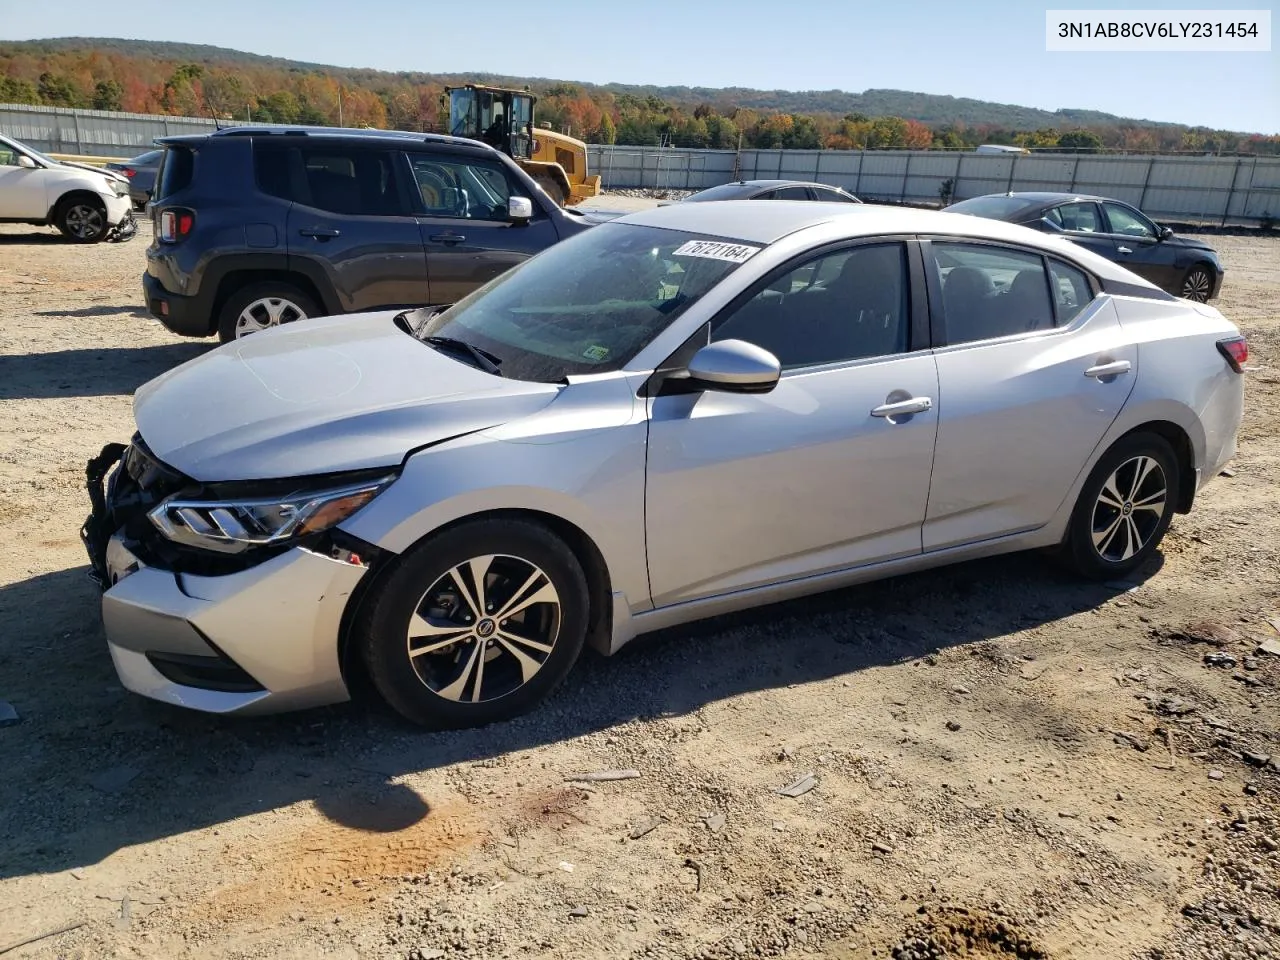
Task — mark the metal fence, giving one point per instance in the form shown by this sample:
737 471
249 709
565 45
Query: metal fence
94 132
1202 189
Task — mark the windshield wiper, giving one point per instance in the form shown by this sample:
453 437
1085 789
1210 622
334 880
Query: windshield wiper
483 359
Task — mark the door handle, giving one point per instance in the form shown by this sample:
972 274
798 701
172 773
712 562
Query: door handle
320 233
449 238
1124 250
903 408
1112 369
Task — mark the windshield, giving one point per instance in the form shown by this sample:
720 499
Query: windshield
21 147
588 304
993 208
726 191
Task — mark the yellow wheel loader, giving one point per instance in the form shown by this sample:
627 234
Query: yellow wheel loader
503 119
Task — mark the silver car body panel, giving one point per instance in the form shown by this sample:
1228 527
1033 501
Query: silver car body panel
319 397
278 621
697 504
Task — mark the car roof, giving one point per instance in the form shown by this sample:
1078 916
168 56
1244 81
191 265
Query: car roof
1036 196
779 183
766 223
750 221
344 133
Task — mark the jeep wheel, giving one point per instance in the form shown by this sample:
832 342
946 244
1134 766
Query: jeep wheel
261 306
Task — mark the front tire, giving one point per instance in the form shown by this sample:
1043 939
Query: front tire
1124 508
1197 284
476 625
82 220
261 306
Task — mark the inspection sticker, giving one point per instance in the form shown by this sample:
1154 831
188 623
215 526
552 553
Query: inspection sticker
715 250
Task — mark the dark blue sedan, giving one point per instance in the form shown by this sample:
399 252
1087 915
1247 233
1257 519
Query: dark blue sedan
141 171
1179 265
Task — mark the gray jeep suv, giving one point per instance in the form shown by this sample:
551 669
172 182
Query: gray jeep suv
258 226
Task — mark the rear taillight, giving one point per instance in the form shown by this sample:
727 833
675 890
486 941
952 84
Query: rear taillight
128 172
175 224
1236 352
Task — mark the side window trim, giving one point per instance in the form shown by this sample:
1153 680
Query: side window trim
933 281
918 327
1089 278
410 198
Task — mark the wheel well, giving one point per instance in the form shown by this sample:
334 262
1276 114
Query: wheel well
71 195
599 585
239 279
1181 444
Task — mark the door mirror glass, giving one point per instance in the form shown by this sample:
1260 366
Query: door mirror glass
735 366
1166 233
519 209
1050 225
27 162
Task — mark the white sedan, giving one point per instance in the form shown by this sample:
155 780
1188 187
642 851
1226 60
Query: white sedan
85 203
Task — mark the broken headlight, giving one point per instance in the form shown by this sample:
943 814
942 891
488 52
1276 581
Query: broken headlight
236 525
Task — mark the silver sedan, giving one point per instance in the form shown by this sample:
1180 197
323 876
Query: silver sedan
679 413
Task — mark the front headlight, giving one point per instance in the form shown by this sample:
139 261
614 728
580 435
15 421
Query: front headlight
119 187
233 526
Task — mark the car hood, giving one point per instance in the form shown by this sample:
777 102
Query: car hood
320 396
1190 242
109 174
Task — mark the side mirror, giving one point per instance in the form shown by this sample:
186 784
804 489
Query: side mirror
1166 233
26 162
519 209
1049 226
735 366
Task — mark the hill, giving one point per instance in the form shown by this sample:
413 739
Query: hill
191 78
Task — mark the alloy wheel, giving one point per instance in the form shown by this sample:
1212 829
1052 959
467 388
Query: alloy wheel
84 221
1196 285
484 628
265 313
1129 508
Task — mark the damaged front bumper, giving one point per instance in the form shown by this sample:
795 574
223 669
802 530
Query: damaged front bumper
258 640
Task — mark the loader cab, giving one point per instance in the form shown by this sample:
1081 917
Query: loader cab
501 118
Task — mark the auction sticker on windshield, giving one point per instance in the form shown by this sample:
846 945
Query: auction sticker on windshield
715 250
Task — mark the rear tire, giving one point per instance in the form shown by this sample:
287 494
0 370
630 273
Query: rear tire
1124 508
260 306
82 219
1197 284
444 654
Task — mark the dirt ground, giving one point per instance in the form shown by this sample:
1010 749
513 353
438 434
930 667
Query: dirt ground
1008 763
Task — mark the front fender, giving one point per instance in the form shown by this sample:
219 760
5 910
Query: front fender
594 481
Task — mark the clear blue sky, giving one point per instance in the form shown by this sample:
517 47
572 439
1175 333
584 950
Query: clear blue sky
988 49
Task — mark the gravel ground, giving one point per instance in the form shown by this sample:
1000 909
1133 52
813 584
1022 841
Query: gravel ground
1006 762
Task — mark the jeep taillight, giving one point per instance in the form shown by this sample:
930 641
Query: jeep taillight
175 224
1236 352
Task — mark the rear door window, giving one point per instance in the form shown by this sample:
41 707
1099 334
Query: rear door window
990 291
176 170
355 182
792 193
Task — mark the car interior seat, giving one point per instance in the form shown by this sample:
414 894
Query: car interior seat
966 298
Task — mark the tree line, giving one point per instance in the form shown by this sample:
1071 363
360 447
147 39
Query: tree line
107 79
